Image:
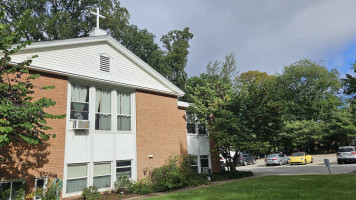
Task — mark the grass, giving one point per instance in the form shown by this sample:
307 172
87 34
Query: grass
323 187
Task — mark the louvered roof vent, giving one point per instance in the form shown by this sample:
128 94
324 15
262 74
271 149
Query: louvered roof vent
104 63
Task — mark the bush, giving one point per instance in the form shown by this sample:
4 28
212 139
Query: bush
223 175
143 187
91 193
123 184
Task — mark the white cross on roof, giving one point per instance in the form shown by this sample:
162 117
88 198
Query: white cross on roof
97 16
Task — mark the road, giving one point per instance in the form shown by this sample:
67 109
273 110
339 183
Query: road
260 169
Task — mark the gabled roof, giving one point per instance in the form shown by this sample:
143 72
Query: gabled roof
115 44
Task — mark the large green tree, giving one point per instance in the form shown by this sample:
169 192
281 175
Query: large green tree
22 118
63 19
211 96
308 92
350 83
259 111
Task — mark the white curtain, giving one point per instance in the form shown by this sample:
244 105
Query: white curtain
124 112
79 96
103 109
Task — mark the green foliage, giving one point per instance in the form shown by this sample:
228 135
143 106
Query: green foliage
123 184
223 175
350 83
21 117
4 194
176 173
91 193
142 187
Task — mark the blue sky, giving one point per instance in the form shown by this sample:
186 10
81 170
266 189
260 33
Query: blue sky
264 35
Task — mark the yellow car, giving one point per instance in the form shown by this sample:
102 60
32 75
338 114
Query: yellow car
300 158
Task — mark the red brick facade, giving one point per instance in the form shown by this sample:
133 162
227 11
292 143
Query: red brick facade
29 162
160 129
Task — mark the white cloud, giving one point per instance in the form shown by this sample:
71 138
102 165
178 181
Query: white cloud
265 35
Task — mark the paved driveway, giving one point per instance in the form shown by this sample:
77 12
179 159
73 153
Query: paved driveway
317 167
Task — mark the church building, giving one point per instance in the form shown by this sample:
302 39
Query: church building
122 116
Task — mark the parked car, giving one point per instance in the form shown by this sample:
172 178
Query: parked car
300 158
276 159
246 159
346 154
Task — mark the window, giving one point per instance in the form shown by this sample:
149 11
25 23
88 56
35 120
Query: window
76 178
11 189
190 123
204 161
123 111
79 106
102 175
123 168
103 109
40 183
193 125
193 163
104 63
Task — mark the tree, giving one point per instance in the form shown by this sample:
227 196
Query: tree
21 117
308 92
176 57
259 111
62 19
350 83
211 100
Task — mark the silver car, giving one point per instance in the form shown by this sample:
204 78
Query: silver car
276 159
346 154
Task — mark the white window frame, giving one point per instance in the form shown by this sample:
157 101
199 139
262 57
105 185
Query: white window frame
44 185
73 85
120 167
68 179
11 182
110 174
101 113
118 114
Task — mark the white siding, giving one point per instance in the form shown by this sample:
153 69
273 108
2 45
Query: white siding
83 61
125 148
198 144
77 148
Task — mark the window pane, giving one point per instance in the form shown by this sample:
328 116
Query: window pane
194 168
124 169
204 161
40 183
102 122
102 169
190 127
16 186
190 118
102 181
123 103
79 102
5 189
123 163
79 93
123 123
75 171
201 129
76 185
79 115
103 101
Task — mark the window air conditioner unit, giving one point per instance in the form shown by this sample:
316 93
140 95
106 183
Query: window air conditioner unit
206 170
81 125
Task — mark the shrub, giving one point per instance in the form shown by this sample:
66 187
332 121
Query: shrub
223 175
91 193
143 187
123 184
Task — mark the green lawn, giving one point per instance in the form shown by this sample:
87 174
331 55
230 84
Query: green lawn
323 187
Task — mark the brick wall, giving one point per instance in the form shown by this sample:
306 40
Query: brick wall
25 161
160 129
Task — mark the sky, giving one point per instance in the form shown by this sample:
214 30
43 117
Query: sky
264 35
